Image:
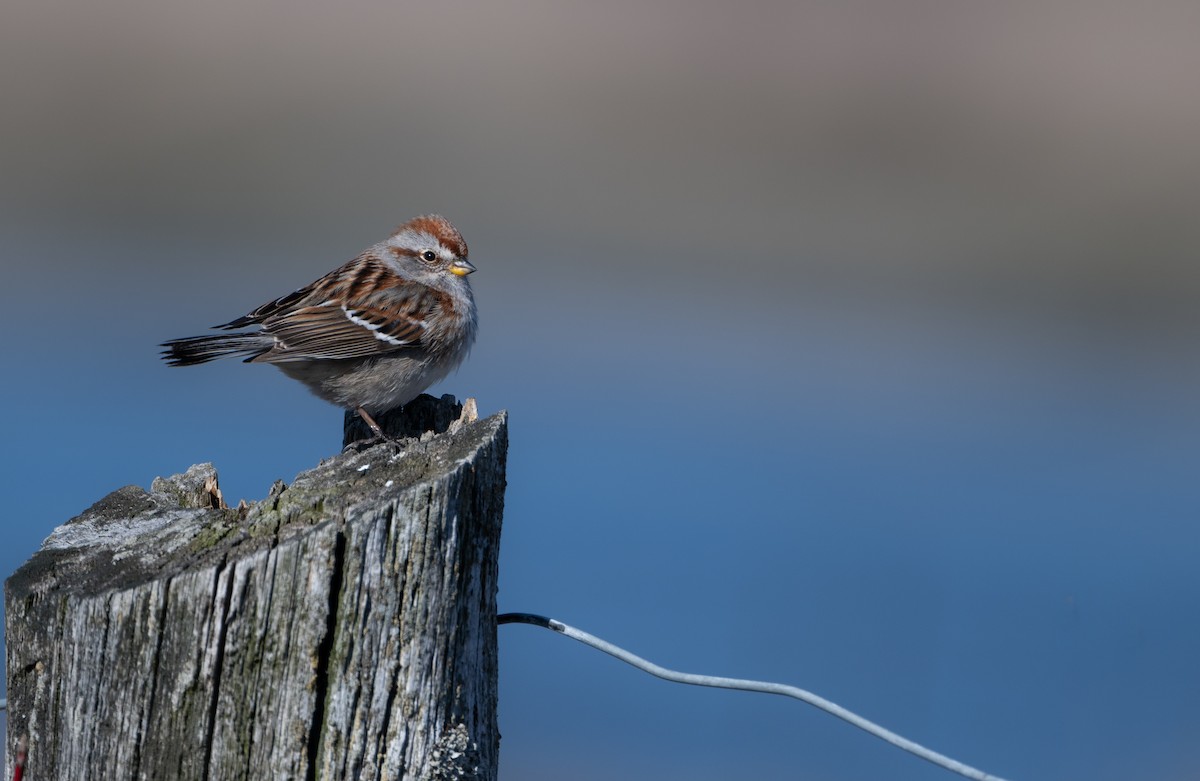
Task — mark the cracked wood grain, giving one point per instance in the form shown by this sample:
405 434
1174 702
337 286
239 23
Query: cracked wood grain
343 627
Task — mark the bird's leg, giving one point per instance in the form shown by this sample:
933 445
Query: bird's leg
370 421
377 430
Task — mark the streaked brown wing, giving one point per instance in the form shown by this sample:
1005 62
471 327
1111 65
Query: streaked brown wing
350 281
389 322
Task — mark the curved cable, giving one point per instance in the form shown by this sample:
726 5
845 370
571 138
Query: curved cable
753 686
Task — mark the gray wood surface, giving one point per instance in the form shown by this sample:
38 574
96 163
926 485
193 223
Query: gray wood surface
343 627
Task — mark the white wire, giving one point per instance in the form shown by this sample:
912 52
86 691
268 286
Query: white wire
753 686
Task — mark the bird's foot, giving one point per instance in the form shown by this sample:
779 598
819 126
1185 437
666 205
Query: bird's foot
359 445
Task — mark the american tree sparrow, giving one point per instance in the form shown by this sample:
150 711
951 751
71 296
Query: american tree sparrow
370 335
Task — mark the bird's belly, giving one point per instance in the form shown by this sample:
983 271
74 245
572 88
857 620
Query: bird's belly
376 384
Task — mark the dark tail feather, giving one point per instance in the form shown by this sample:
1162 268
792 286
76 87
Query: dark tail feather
202 349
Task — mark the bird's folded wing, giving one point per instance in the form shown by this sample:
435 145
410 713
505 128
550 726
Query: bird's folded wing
357 329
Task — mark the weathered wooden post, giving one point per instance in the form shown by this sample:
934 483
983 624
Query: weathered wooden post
342 628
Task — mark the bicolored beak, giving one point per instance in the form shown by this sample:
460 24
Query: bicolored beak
461 267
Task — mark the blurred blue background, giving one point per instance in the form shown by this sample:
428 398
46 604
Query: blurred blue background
848 345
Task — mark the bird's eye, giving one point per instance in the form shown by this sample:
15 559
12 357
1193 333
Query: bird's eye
429 255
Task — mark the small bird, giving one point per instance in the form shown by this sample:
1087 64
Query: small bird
368 336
